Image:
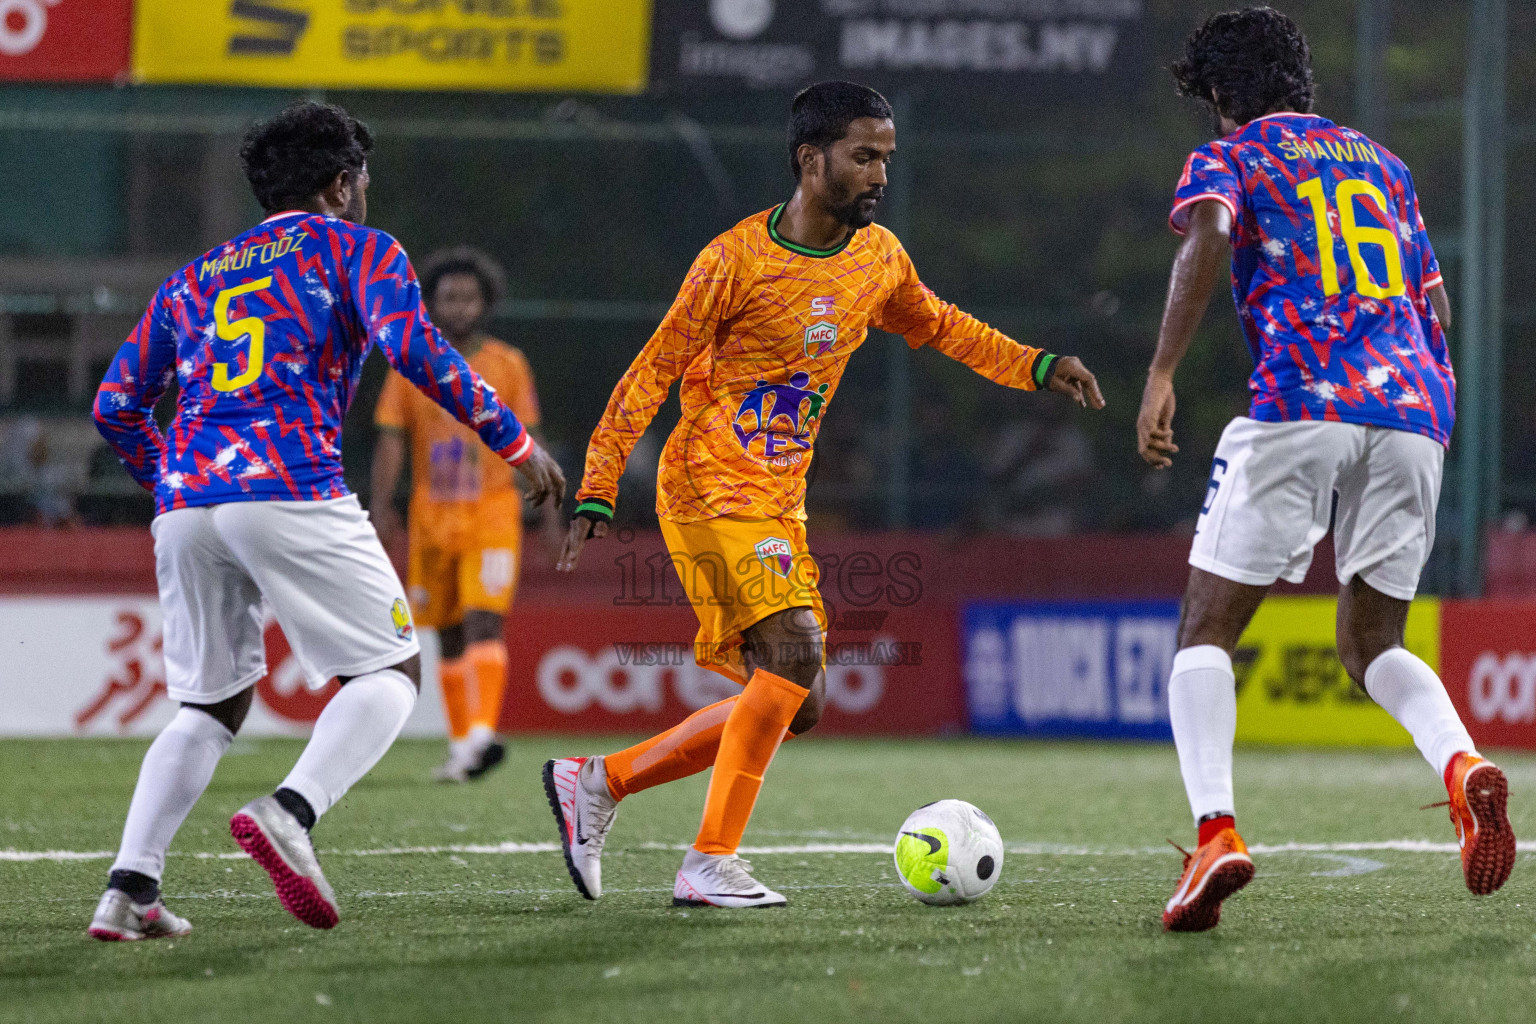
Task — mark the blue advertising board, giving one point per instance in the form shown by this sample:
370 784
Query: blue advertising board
1069 669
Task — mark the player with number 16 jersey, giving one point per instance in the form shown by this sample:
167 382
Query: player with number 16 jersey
1349 340
1353 398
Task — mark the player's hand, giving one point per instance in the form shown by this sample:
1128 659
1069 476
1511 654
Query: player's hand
1070 377
545 479
581 528
1154 424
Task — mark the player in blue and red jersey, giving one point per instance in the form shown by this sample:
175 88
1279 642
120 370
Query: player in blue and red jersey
266 337
1344 310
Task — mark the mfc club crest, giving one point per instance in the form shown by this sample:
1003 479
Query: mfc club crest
822 335
819 338
776 554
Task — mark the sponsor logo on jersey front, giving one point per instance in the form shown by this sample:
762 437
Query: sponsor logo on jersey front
776 554
820 338
774 421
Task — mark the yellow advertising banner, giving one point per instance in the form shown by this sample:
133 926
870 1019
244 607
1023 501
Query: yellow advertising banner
1291 687
507 45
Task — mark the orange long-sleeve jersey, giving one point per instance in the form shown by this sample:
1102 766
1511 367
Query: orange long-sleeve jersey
761 332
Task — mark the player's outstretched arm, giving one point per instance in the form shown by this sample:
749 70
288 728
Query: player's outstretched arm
388 298
125 402
1196 268
923 318
705 299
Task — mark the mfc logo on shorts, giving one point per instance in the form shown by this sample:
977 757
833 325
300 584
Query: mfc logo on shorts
1503 687
400 615
776 554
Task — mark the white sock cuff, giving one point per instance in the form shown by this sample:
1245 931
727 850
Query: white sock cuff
391 673
201 726
1386 659
1190 659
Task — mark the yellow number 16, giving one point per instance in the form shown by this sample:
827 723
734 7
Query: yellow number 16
1355 235
253 327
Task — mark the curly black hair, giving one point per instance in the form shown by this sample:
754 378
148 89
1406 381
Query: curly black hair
291 157
1255 61
464 259
821 114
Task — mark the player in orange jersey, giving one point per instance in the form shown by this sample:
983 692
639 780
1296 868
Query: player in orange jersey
465 517
760 334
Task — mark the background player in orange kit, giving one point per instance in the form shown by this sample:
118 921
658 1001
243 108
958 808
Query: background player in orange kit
761 332
465 516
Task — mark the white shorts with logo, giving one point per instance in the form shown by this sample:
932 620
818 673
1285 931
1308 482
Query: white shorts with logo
318 565
1271 491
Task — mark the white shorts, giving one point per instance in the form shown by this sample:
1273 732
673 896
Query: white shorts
322 571
1271 491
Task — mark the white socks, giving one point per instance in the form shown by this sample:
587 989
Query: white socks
1202 703
176 770
352 733
1410 692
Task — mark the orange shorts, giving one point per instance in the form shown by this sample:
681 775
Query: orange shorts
463 558
738 572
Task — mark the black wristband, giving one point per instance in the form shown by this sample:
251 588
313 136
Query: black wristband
595 509
1043 366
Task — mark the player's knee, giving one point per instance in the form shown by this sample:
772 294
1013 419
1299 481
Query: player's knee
411 669
810 710
788 644
230 712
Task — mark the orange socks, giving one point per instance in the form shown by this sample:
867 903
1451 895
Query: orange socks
683 750
750 737
473 685
488 663
453 676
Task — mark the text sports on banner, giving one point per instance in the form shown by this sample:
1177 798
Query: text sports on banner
515 45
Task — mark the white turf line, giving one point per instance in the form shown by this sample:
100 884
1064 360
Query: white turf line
1023 849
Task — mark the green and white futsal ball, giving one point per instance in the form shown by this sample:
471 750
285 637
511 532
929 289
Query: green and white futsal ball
948 852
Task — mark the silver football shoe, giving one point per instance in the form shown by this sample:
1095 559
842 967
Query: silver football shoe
584 817
119 919
275 840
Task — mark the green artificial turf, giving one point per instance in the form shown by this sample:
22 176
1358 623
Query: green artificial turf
1071 932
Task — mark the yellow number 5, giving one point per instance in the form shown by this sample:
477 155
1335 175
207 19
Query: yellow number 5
1355 235
253 327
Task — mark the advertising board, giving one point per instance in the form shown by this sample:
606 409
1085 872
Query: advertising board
510 45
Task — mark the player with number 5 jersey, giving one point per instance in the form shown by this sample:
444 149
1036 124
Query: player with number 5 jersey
265 337
1353 397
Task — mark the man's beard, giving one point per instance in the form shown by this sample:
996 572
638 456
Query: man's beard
851 211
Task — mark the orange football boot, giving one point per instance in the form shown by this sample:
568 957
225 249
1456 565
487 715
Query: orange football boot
1215 870
1479 798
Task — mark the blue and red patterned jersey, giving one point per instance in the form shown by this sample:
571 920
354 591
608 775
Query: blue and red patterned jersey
266 336
1330 265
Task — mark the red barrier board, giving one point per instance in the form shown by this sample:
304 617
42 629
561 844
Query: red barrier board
590 668
1488 662
65 40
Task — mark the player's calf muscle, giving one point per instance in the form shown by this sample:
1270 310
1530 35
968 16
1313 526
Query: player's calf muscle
1215 610
1369 624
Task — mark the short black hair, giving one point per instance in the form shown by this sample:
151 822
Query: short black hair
821 114
291 157
464 259
1256 60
